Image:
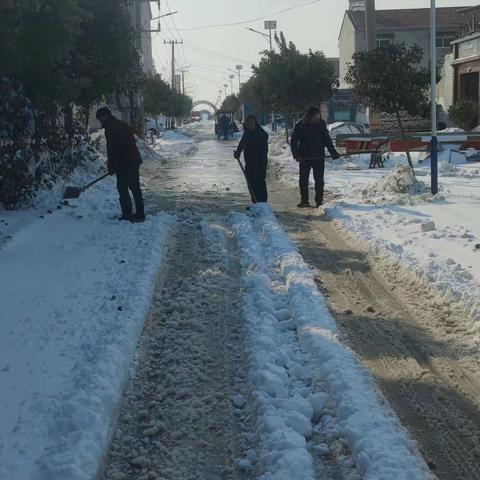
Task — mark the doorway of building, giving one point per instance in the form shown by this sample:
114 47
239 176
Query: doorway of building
469 86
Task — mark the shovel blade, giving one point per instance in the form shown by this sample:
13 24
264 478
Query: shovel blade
72 192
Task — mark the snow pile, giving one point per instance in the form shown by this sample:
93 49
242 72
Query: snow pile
399 186
174 144
147 152
400 180
280 286
76 287
280 155
446 168
452 130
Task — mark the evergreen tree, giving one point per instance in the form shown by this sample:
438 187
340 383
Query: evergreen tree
156 94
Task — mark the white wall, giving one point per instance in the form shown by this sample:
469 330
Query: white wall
446 84
347 47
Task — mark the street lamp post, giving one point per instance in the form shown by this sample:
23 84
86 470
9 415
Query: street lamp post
433 82
239 69
270 25
231 77
268 37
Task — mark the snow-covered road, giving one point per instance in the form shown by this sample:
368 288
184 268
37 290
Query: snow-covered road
241 371
304 405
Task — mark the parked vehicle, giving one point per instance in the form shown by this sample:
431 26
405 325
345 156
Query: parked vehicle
225 125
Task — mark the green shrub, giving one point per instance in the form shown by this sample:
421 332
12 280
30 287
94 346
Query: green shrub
464 114
17 184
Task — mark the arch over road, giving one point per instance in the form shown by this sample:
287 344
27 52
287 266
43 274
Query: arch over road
204 102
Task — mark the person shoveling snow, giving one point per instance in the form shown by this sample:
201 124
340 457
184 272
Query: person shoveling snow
124 161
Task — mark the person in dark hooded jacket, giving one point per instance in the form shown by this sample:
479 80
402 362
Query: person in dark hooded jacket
309 140
124 161
254 145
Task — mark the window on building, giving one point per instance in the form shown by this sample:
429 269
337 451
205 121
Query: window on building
384 40
444 39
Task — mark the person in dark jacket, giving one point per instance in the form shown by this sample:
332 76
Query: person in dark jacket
224 124
123 161
254 145
309 140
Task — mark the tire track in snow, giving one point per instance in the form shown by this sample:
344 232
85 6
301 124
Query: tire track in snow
177 421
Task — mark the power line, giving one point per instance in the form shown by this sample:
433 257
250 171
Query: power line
252 19
181 50
215 54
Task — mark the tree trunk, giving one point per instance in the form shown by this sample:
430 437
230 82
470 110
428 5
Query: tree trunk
68 120
402 132
287 117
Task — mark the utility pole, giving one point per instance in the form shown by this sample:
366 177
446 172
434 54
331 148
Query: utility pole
231 77
370 25
134 97
225 86
183 82
173 43
433 82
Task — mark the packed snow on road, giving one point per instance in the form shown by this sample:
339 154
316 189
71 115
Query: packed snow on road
392 211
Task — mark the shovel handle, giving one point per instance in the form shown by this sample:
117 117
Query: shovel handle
250 189
355 153
94 182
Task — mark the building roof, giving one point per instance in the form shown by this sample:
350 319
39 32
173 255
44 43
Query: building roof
410 18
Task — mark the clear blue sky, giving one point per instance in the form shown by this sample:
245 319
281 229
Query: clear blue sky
210 52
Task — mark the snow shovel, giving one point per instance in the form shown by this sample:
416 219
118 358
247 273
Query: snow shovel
359 152
250 189
75 192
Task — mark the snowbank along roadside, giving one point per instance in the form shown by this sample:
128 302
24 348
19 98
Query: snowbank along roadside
280 296
75 285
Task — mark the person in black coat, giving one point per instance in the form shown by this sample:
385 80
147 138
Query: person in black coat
124 161
254 145
309 140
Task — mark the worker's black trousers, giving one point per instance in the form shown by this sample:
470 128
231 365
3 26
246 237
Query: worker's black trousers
318 167
128 180
256 176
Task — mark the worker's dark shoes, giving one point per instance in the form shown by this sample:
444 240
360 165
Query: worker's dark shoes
125 218
319 204
138 218
304 205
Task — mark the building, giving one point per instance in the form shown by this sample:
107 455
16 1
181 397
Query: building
131 109
463 71
141 15
410 26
